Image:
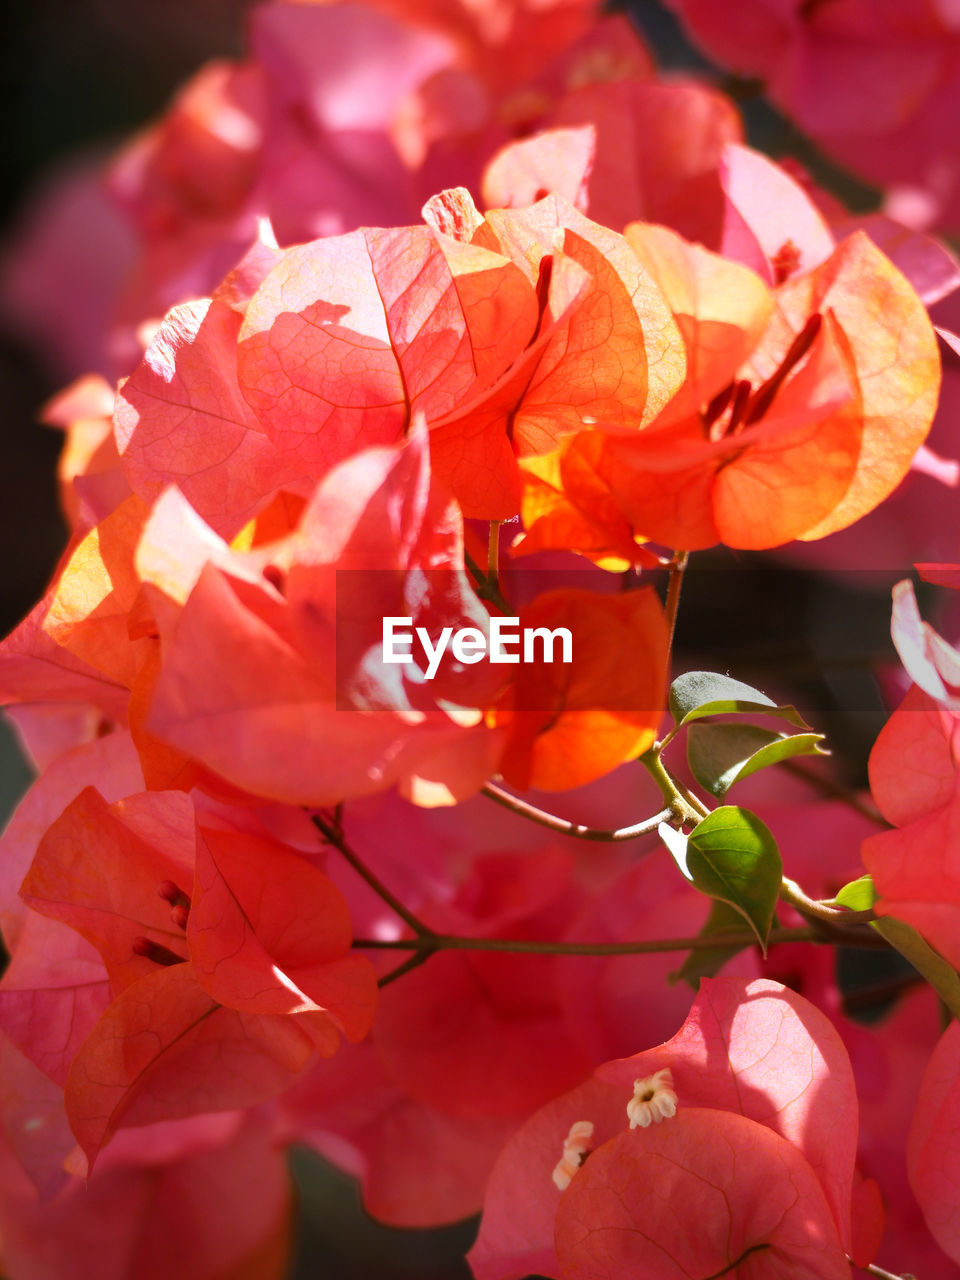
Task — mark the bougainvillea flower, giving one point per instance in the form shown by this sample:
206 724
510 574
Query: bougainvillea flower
348 337
759 1080
181 419
890 1059
61 276
110 762
221 1207
502 337
224 986
569 724
341 115
250 683
504 38
626 151
876 86
932 1148
929 660
485 1034
91 481
767 1214
803 406
913 777
52 994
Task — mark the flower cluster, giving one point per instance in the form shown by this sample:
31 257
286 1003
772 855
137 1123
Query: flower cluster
445 313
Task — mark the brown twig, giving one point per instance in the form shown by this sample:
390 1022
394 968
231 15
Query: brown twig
568 828
428 944
333 834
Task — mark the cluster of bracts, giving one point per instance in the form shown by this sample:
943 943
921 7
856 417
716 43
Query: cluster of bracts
411 273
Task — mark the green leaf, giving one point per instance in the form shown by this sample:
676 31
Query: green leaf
732 856
860 895
705 693
722 754
705 962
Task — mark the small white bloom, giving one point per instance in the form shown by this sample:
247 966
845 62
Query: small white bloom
654 1099
576 1148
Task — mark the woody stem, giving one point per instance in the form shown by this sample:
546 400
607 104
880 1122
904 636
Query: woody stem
873 1270
684 804
674 586
428 944
791 892
563 825
333 835
493 555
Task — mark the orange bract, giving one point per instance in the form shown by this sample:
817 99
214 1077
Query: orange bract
802 409
570 723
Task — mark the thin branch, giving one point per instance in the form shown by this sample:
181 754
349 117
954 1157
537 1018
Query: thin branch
836 791
674 585
791 892
333 835
873 1270
479 577
427 945
412 962
683 802
692 800
568 828
493 554
486 589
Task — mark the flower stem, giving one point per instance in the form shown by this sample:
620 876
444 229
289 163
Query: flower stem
684 804
412 962
791 892
428 944
568 828
873 1270
674 586
332 833
486 588
493 554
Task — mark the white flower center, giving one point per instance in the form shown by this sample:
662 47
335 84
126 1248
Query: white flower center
576 1148
654 1099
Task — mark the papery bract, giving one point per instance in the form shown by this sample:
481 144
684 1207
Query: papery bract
52 994
876 86
486 1034
269 933
802 408
243 688
751 1206
759 1049
181 419
932 1148
761 1080
916 866
569 723
165 1049
220 1208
